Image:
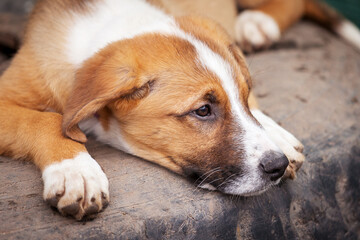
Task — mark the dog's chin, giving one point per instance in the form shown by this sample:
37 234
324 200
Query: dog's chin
239 191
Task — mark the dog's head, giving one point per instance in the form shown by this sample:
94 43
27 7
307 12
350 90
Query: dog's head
179 100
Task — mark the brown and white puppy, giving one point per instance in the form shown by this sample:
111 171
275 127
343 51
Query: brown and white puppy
172 90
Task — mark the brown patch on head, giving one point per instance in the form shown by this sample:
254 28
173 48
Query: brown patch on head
215 37
204 28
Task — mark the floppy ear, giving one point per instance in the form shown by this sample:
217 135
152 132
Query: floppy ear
103 78
240 59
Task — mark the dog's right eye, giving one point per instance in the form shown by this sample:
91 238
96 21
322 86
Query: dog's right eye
203 111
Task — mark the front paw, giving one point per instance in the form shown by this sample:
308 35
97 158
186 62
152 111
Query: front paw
255 30
294 166
77 187
288 144
291 147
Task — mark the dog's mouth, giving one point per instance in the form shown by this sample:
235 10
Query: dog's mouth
258 190
233 183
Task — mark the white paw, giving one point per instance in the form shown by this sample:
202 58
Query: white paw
290 146
76 187
255 30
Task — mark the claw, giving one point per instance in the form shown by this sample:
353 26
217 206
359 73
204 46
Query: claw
76 187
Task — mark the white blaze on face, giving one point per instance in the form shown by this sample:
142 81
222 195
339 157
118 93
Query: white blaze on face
255 139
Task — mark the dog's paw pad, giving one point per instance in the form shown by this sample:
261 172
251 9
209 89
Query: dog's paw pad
76 187
104 201
289 173
93 209
295 163
255 30
72 209
299 148
53 201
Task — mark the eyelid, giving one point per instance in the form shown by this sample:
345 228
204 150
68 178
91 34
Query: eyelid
199 105
196 105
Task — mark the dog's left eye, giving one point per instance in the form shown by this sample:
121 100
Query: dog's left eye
203 111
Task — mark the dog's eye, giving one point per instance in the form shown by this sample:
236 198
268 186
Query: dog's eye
203 111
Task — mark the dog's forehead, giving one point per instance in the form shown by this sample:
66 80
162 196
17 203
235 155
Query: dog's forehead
198 71
230 77
222 66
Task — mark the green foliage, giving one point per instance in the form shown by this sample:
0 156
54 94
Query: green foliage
349 8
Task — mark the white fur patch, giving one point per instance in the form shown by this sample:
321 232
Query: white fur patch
112 136
349 32
112 20
70 177
255 29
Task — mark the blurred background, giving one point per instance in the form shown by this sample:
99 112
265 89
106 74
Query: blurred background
349 8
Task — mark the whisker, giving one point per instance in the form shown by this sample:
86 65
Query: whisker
214 169
208 177
226 180
215 180
209 173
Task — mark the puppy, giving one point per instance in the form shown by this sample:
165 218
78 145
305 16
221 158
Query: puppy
175 91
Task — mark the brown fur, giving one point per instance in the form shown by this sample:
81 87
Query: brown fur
28 133
34 84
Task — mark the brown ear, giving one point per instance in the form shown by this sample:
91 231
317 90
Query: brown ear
103 78
240 59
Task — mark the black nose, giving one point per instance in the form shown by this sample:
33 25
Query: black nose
274 164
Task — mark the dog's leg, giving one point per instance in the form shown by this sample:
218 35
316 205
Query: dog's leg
290 146
73 181
260 27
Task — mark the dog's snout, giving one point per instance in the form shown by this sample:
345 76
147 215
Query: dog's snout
274 164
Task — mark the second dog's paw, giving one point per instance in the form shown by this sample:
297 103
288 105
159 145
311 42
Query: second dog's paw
77 187
255 30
